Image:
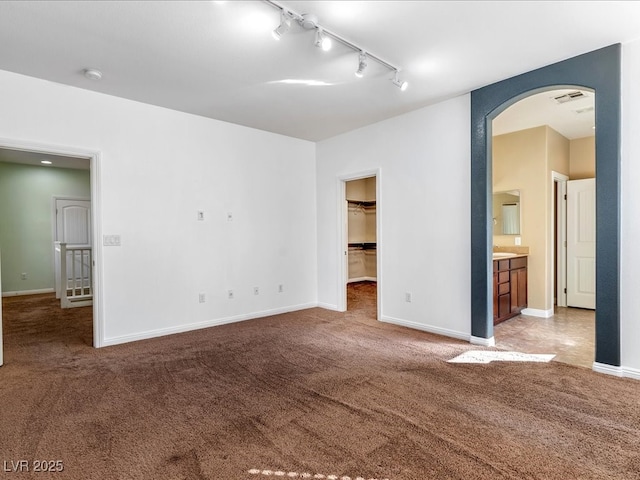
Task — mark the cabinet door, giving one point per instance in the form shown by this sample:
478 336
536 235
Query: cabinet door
522 288
518 289
495 296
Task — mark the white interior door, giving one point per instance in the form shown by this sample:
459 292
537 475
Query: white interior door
581 243
73 227
73 221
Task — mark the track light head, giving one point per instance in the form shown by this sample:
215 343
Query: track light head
399 83
362 64
285 25
322 40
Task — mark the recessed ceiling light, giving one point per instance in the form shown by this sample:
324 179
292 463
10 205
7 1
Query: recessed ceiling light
92 74
45 162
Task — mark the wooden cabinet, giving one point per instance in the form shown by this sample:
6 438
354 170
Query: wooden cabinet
509 288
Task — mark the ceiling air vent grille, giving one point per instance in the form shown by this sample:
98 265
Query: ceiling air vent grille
569 97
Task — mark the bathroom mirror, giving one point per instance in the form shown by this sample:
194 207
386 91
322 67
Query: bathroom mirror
506 213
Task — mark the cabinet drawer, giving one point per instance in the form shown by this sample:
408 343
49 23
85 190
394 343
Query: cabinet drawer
503 265
504 277
504 288
518 262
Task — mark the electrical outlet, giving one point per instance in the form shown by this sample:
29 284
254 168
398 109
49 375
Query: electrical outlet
23 276
200 215
230 294
111 240
202 298
407 297
280 288
256 290
229 217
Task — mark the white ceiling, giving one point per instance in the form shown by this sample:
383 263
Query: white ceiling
218 59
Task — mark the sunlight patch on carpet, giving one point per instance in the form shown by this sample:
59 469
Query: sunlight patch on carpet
315 476
481 356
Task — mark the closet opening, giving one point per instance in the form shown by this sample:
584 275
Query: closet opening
362 245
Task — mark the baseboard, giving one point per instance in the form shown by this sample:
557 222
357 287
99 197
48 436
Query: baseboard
28 292
328 306
200 325
534 312
629 372
426 328
485 342
608 369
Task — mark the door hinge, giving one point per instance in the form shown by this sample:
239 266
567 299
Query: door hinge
565 290
565 196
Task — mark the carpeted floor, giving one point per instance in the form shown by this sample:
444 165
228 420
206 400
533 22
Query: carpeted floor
312 394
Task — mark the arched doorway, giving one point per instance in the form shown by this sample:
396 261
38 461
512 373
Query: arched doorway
599 71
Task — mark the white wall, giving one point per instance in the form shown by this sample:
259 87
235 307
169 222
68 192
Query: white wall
159 167
424 209
630 234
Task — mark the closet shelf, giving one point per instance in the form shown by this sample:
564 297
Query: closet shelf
363 245
364 203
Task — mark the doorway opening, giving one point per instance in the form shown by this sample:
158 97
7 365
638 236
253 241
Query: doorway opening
360 277
361 226
32 177
541 144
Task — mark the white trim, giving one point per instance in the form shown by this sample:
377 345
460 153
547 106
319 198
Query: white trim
535 312
19 293
561 209
485 342
426 328
629 372
608 369
328 306
206 324
94 157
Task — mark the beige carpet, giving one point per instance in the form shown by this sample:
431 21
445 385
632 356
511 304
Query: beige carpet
313 394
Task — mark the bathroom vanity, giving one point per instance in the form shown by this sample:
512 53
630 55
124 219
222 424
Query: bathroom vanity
509 286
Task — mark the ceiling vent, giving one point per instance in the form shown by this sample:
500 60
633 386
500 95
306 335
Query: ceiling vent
570 97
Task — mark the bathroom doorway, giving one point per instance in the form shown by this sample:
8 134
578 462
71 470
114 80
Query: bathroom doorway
540 145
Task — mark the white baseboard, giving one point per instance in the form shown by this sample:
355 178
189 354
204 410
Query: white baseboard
426 328
534 312
19 293
629 372
608 369
199 325
485 342
328 306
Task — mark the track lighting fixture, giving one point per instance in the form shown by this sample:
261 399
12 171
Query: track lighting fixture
309 21
399 83
285 25
322 41
362 64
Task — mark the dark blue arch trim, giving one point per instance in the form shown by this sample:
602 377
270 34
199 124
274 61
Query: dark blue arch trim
600 71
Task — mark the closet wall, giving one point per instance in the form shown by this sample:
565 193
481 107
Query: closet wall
361 229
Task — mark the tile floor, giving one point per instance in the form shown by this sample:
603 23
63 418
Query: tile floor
570 334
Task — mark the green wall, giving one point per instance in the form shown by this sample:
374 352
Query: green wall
26 196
